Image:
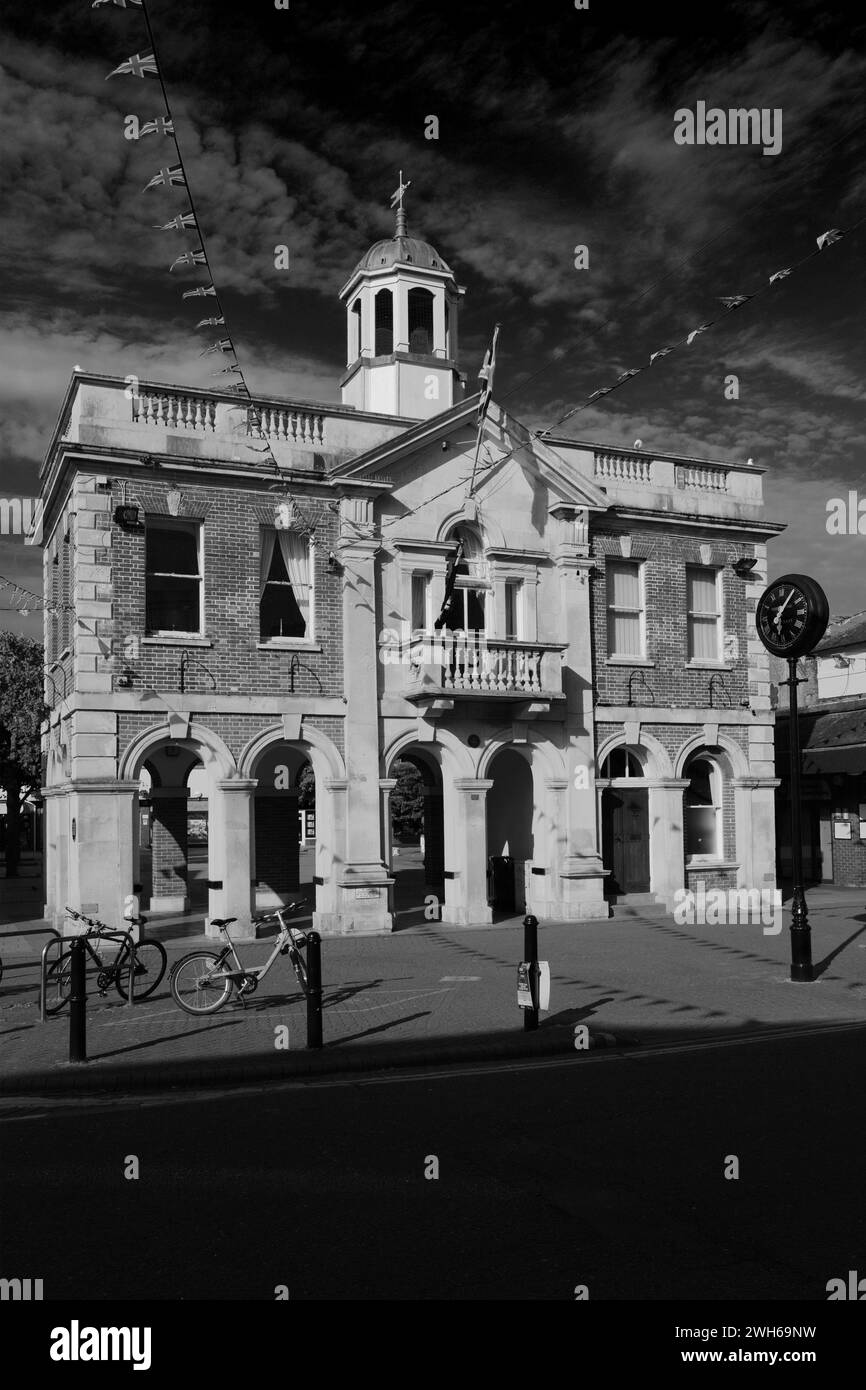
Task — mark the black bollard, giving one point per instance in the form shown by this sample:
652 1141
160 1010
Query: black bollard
530 954
78 1003
314 989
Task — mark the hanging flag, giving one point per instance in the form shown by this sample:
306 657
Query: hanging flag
241 388
182 223
733 301
486 375
224 371
202 290
829 238
122 3
450 578
780 275
662 352
167 176
695 331
624 376
602 391
162 125
221 345
139 65
210 323
190 258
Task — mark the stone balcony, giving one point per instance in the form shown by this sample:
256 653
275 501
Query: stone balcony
451 666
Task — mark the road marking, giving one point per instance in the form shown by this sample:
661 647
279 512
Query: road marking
457 979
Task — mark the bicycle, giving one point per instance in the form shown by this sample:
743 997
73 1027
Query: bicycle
201 982
149 962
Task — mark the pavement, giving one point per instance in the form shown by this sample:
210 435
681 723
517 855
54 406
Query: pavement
432 994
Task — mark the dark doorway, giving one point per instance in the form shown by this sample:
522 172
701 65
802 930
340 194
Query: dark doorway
625 839
417 841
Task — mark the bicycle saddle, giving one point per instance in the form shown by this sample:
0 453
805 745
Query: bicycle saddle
222 921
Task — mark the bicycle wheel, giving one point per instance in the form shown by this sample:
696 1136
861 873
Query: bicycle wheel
300 969
58 983
149 968
199 984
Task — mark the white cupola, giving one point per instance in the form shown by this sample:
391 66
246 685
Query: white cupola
402 305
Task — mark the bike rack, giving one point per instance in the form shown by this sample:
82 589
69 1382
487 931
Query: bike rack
114 935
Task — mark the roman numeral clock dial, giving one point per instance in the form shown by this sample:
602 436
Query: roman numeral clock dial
792 615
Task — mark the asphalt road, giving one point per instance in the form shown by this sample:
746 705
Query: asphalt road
606 1170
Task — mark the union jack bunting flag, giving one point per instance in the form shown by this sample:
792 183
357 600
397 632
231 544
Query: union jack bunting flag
167 176
210 323
190 258
182 223
162 125
829 238
201 290
139 65
221 345
122 3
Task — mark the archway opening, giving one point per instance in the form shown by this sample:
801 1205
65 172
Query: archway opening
510 835
284 828
417 839
174 813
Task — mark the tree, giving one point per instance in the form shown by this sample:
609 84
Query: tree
407 803
307 788
22 710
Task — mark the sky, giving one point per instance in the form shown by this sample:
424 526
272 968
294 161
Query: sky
555 130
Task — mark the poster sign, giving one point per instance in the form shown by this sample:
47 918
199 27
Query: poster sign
841 830
524 990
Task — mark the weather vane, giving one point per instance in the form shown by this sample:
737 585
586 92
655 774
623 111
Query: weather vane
397 204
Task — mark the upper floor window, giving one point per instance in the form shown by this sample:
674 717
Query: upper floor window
621 763
704 613
513 609
625 608
173 576
420 602
285 607
467 607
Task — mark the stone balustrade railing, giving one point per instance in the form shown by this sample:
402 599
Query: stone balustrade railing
623 468
470 662
173 411
702 477
296 426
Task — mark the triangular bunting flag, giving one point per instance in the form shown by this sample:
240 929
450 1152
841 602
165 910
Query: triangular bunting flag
733 301
162 125
695 331
662 352
780 275
190 258
184 222
139 65
829 238
174 175
624 376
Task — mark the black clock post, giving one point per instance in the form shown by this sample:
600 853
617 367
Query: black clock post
801 932
791 618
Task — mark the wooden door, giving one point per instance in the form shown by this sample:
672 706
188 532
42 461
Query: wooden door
625 839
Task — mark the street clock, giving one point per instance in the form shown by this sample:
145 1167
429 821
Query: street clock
792 615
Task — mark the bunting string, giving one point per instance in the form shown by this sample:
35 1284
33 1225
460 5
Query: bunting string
175 175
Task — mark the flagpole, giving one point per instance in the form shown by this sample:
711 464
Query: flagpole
483 407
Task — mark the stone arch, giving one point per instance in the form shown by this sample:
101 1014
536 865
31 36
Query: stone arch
201 740
739 763
492 535
446 742
326 758
549 757
658 759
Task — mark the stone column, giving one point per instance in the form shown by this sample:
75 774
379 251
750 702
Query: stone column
331 793
755 822
55 885
364 880
466 852
100 875
667 858
401 317
439 322
230 815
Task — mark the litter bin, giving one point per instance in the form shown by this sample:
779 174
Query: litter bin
501 883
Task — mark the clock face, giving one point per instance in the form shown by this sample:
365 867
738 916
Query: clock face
792 615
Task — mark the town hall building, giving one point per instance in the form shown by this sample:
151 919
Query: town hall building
552 632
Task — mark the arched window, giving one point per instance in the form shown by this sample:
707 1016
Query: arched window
384 344
703 808
621 763
421 321
467 607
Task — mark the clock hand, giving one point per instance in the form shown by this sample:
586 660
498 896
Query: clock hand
780 611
